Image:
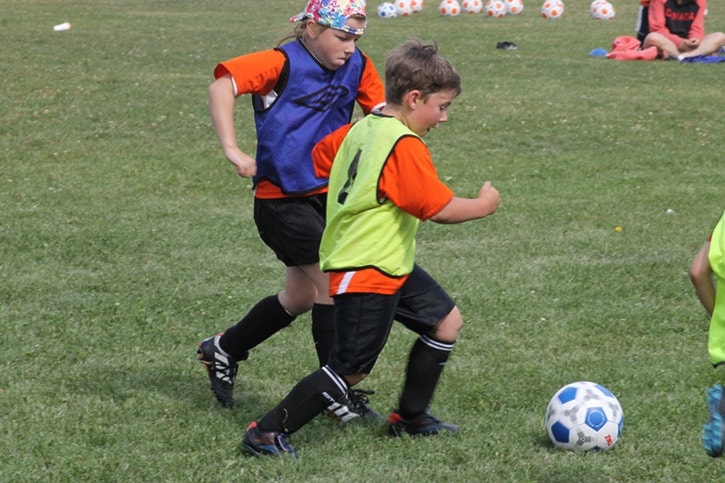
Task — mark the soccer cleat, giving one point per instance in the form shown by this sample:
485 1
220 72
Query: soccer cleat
259 443
354 404
714 430
423 425
221 369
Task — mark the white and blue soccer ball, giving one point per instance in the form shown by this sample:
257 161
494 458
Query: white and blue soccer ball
584 416
387 10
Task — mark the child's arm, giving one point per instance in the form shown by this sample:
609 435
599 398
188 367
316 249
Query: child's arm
323 153
459 210
371 92
221 105
702 278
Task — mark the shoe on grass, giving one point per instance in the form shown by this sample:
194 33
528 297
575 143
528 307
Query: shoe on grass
266 443
714 430
221 369
423 425
352 405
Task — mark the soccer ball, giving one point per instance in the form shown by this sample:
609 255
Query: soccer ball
594 3
495 8
514 7
552 9
404 7
416 5
449 8
387 10
602 10
472 6
584 416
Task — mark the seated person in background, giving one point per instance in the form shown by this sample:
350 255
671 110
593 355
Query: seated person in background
677 29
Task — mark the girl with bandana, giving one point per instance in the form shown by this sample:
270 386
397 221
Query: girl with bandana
301 91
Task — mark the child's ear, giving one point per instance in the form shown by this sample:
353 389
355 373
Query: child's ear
313 28
412 98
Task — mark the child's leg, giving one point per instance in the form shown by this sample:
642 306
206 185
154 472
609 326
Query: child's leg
428 310
663 44
425 365
710 44
307 287
265 319
362 325
306 400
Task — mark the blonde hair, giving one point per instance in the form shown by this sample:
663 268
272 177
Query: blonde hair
297 34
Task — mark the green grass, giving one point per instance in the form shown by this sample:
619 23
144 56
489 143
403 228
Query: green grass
125 238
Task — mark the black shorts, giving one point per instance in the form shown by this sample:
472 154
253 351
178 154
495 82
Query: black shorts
292 227
363 321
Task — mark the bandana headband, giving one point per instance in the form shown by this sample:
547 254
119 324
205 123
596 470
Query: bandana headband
334 14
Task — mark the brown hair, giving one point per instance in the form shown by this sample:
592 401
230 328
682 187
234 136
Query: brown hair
418 65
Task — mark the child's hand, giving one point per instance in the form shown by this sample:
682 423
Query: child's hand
489 195
245 164
463 209
690 44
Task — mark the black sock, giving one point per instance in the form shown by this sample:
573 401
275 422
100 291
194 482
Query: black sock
307 399
425 365
264 320
323 330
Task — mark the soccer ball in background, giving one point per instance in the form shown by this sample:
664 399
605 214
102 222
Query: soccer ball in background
404 7
594 3
387 10
514 7
449 8
584 416
495 8
602 10
472 6
416 5
552 9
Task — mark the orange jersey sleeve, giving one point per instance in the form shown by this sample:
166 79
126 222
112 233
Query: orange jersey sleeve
254 73
325 150
371 93
411 182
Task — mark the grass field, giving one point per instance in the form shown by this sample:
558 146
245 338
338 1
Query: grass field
125 238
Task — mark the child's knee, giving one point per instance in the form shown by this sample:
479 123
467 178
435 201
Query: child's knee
448 328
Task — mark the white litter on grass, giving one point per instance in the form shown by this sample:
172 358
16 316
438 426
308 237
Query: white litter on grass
62 27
